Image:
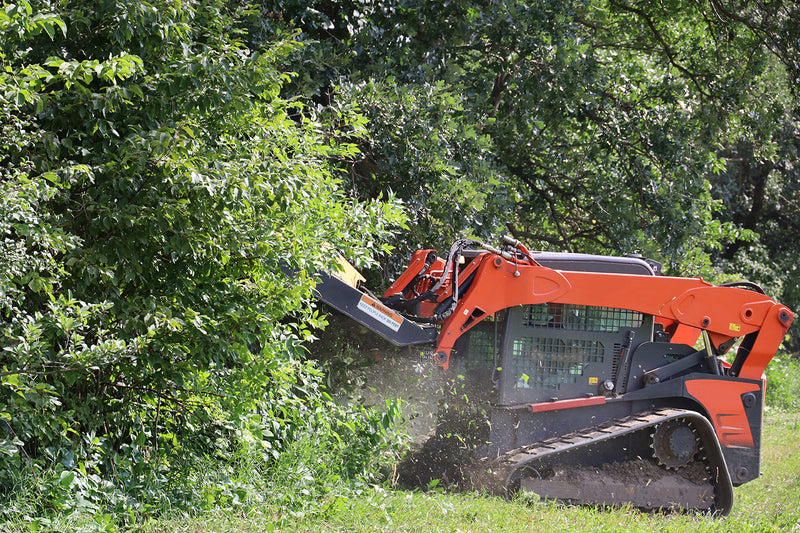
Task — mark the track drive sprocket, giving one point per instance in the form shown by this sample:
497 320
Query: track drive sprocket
675 443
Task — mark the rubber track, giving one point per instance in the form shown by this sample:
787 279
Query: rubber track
604 431
509 467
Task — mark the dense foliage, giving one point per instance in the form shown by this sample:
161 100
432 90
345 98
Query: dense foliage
162 210
172 173
587 125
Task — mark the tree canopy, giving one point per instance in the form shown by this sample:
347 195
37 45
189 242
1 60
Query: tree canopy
582 125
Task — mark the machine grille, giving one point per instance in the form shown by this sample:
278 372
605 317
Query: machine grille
543 362
481 348
581 317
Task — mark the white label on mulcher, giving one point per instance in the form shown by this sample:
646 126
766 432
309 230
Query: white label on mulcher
380 313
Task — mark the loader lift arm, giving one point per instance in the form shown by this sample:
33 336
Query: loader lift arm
500 279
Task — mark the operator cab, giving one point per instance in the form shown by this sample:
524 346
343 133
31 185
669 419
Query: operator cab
537 353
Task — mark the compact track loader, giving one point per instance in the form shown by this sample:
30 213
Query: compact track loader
584 378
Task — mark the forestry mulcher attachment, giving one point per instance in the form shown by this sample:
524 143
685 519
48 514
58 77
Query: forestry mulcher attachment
582 373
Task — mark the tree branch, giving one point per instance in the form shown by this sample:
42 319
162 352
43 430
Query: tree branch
665 47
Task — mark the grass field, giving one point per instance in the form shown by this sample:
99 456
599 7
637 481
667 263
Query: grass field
770 503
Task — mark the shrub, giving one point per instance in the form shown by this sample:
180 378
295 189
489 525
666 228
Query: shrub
156 190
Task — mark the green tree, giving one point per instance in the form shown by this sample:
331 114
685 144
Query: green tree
163 212
600 125
759 188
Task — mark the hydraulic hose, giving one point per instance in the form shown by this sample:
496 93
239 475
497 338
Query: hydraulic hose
745 285
456 251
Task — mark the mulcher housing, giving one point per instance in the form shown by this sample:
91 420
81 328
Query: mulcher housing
586 368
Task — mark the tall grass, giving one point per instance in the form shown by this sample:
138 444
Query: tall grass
768 504
310 488
783 383
333 457
763 505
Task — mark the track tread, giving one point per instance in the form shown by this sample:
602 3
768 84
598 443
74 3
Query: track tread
515 460
612 427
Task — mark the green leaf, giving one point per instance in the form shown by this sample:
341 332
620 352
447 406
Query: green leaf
66 478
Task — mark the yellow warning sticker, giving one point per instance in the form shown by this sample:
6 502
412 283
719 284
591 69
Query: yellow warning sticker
592 381
735 327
